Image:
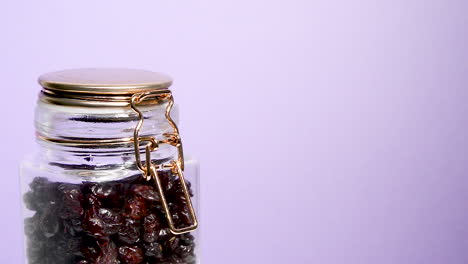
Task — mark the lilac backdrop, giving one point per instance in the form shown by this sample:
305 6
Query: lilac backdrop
329 131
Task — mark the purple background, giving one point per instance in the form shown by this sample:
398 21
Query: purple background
328 131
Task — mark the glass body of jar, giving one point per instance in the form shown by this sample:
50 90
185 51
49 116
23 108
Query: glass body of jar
90 203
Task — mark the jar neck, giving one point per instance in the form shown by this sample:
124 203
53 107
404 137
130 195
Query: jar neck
56 123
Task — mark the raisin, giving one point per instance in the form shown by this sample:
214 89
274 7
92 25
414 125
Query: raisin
187 239
131 255
164 234
90 249
109 193
44 193
172 243
107 223
183 250
93 201
147 192
153 249
72 226
151 227
108 254
30 201
136 207
71 199
31 225
112 220
101 222
129 232
49 224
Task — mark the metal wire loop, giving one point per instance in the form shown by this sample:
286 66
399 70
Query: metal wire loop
150 170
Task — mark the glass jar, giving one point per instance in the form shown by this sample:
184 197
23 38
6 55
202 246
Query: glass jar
108 182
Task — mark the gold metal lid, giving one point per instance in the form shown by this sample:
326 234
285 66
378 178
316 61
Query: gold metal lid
105 81
100 86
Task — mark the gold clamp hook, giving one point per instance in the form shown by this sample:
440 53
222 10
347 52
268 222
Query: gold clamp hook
149 170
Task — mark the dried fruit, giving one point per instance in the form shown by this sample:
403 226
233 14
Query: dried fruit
101 222
106 223
147 192
72 199
153 249
131 255
129 232
151 227
136 207
108 254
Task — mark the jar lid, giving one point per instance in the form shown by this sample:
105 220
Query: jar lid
99 86
105 81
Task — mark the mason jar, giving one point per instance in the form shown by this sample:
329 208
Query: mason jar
108 181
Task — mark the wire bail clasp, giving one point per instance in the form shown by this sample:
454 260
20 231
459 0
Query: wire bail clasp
150 170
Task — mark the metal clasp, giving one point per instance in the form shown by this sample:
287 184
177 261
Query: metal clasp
175 167
149 170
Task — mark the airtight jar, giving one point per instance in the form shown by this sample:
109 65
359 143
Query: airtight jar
108 182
